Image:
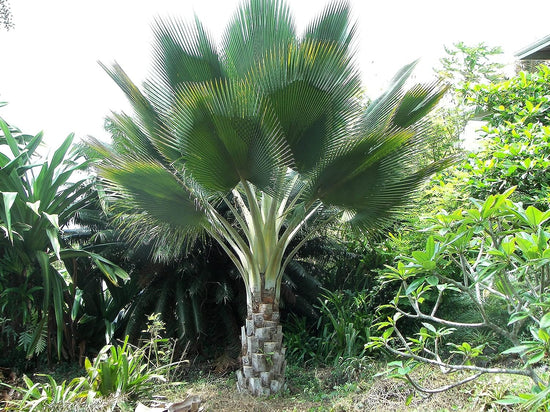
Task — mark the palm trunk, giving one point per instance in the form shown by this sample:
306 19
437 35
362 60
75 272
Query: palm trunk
263 356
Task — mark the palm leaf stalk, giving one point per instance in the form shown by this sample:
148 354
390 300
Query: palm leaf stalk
270 125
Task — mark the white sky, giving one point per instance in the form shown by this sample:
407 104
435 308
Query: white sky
50 77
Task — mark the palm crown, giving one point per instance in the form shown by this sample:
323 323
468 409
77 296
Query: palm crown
271 125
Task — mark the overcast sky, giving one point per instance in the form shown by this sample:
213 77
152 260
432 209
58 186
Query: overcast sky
51 80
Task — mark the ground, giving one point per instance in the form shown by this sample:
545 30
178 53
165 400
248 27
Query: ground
319 389
310 390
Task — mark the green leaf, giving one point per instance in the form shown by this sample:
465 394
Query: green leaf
509 400
9 138
508 247
387 333
417 103
77 303
414 285
543 335
8 200
156 191
60 152
404 371
53 236
35 207
516 349
36 336
394 364
231 136
185 53
252 33
534 359
429 326
432 280
544 322
109 269
517 316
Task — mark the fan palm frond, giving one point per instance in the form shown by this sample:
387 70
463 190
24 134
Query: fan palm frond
257 28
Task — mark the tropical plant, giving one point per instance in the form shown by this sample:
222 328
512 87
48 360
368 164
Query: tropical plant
118 372
516 139
271 127
120 369
38 200
464 67
494 255
345 323
340 333
50 395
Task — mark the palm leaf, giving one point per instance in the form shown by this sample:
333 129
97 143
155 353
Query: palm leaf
333 25
149 121
313 89
257 28
375 172
156 191
388 201
379 113
228 135
417 102
184 53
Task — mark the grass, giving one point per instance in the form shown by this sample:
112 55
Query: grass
320 389
327 389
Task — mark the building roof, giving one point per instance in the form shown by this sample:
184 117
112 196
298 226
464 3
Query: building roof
540 50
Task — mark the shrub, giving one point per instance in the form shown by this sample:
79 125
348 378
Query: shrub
118 372
499 254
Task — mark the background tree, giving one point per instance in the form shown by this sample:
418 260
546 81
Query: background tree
515 149
5 15
270 126
463 68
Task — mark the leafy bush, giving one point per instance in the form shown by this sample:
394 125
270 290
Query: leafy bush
499 253
119 369
344 325
49 395
516 139
118 372
339 336
38 199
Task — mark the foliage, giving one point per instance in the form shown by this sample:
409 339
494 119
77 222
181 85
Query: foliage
198 294
339 335
517 139
38 200
494 251
345 325
156 148
133 371
118 372
5 15
467 66
50 395
464 67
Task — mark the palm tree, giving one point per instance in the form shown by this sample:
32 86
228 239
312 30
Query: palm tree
271 127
